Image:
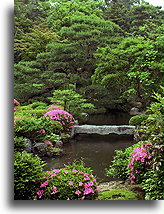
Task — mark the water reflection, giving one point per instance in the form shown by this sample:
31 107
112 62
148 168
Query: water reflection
114 118
97 152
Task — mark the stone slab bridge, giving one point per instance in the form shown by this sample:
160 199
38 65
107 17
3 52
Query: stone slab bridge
103 130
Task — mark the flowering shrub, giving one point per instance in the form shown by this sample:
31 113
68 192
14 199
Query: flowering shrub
62 116
68 184
119 165
139 163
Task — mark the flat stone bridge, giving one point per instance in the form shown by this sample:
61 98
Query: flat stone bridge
103 130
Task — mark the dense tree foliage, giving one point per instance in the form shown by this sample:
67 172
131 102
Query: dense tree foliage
108 52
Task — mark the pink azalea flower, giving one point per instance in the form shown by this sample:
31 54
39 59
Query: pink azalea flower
16 103
71 183
40 193
98 189
44 184
41 131
66 172
90 184
53 174
74 170
48 143
77 192
56 170
87 179
54 188
86 174
80 183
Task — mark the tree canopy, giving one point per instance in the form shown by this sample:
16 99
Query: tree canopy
108 52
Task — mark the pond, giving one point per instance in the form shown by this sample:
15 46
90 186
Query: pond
112 118
97 152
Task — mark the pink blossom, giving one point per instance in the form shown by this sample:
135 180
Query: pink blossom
87 179
47 142
86 174
90 183
53 174
40 193
77 192
16 103
44 184
54 190
94 179
41 131
98 189
81 172
71 183
56 170
66 172
74 170
82 198
88 191
80 183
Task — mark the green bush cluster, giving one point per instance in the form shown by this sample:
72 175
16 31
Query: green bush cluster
28 169
118 194
19 144
137 120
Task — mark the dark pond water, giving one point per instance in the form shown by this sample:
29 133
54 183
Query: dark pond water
97 151
113 118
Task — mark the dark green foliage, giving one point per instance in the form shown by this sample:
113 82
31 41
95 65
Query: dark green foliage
29 126
118 194
28 169
137 120
35 105
72 102
153 184
19 144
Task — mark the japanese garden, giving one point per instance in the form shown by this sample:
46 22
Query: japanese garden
88 100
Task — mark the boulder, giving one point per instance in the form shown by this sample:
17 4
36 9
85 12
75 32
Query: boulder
27 145
134 111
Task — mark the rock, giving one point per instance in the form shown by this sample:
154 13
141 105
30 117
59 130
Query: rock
39 148
103 130
27 145
59 144
134 111
84 114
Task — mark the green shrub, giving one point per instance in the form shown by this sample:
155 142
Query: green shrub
35 105
118 194
19 144
74 182
153 179
137 120
28 169
153 185
37 129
